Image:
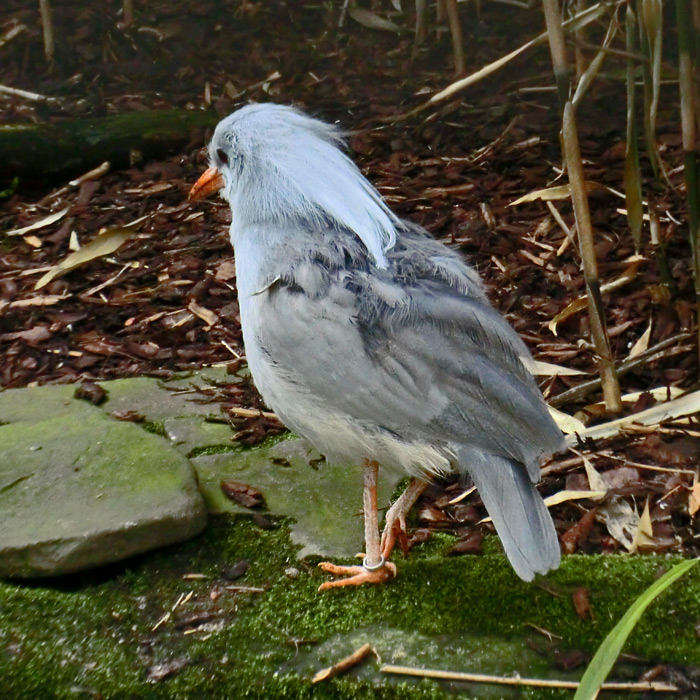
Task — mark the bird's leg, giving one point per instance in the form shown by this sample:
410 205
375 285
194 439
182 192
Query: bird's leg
374 568
396 517
373 557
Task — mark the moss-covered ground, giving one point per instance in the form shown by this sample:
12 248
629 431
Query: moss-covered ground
97 635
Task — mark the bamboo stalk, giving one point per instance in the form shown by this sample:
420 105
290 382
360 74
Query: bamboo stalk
456 32
580 38
585 80
689 135
632 174
599 334
128 13
572 158
47 29
650 15
557 48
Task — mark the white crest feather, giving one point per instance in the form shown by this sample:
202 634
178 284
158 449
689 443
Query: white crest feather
290 167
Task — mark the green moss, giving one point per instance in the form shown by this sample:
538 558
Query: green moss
265 444
214 450
156 427
97 634
273 440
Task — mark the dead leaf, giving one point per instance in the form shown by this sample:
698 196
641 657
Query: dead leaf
567 424
682 406
579 532
547 369
660 393
563 496
105 244
89 391
371 21
73 242
33 241
644 537
694 498
642 344
621 520
128 416
471 544
595 480
550 194
244 495
619 517
42 223
582 603
580 303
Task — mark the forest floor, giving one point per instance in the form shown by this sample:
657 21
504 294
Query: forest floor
166 302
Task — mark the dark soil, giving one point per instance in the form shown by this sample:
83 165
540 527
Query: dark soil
166 300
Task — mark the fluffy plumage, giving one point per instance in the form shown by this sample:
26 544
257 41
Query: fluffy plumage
370 338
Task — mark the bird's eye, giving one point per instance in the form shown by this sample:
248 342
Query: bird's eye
222 156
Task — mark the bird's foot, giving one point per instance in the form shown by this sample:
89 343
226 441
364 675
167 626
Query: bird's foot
394 531
357 575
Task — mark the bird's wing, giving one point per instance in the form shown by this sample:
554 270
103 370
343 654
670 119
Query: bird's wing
421 360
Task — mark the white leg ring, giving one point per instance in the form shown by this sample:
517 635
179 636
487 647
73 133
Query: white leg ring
373 567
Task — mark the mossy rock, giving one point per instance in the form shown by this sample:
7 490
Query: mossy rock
121 633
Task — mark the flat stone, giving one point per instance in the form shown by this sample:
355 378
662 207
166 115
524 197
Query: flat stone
43 402
324 500
190 433
82 490
463 652
156 400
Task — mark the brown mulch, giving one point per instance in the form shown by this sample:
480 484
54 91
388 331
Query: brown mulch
166 301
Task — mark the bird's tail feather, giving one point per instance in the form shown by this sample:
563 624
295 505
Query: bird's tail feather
518 512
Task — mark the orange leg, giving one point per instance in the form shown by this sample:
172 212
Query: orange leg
375 568
396 517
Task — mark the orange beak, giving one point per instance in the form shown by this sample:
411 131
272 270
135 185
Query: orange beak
210 181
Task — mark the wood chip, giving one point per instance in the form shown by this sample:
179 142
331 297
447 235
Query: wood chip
209 317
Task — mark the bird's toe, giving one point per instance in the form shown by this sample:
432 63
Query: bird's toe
356 575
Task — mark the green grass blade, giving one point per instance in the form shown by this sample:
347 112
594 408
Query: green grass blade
612 645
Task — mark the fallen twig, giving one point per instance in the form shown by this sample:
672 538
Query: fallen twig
650 355
251 413
638 687
245 589
34 96
345 664
12 33
93 174
644 421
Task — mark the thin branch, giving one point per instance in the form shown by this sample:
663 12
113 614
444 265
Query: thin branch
518 681
657 352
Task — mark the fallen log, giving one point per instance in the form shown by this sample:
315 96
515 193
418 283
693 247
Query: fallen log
68 147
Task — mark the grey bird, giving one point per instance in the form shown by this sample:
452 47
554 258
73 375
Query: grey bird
373 340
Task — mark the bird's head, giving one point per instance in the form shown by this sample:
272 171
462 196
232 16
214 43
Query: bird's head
273 163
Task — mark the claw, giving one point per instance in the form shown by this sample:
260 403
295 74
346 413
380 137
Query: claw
394 531
357 575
